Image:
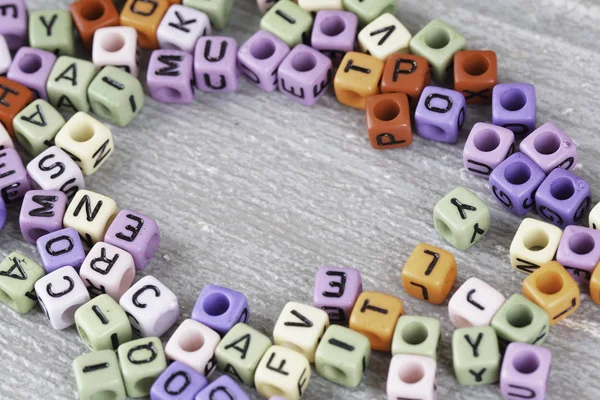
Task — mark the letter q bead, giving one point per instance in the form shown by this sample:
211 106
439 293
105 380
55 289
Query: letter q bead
525 372
486 147
282 372
411 377
194 344
474 304
107 269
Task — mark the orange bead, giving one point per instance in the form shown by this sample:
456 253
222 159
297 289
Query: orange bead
429 273
91 15
406 73
388 121
144 16
13 98
475 75
595 286
357 78
554 290
375 315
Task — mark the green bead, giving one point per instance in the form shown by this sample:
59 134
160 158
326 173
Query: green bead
52 30
141 362
417 335
438 42
343 356
476 355
218 11
368 10
521 320
68 82
36 125
98 377
18 275
102 323
277 21
461 218
116 96
240 351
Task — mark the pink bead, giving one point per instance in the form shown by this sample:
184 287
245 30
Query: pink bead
215 64
117 46
474 304
412 377
181 27
259 58
31 67
170 75
194 345
13 176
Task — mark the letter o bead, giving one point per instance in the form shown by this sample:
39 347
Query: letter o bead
550 147
42 212
514 107
388 121
61 248
474 304
222 387
141 362
98 376
440 114
476 355
259 57
357 78
177 381
375 315
411 377
145 17
487 147
170 75
194 344
525 372
18 275
534 245
107 269
282 372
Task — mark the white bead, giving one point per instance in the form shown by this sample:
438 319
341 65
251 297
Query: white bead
300 327
5 58
194 344
177 31
411 377
60 294
53 169
151 306
384 37
474 304
117 46
594 217
5 140
316 5
90 214
282 372
534 245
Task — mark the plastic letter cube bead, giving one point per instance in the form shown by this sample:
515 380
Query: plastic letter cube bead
486 147
194 344
98 376
91 15
304 74
145 17
107 269
215 64
521 320
300 328
343 356
68 82
282 372
368 10
60 294
152 307
411 377
514 107
288 22
170 76
595 286
384 37
102 324
5 57
220 308
61 248
222 387
417 335
53 169
375 315
461 218
240 351
438 42
13 23
334 33
475 75
259 57
18 275
525 372
594 217
42 212
579 252
52 30
388 121
116 96
534 245
14 98
178 381
90 214
335 292
181 27
474 304
14 181
2 213
116 46
316 5
135 233
5 140
357 78
36 126
141 362
265 5
31 67
440 114
476 355
550 148
217 10
406 73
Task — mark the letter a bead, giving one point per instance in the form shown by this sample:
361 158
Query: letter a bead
220 308
579 252
375 315
170 76
61 248
91 15
53 169
521 320
15 97
288 22
102 324
107 269
417 335
259 57
97 375
335 292
41 213
534 245
222 387
18 275
388 121
181 27
141 362
514 107
178 381
474 304
411 377
550 147
68 82
384 36
476 355
486 147
89 214
194 344
13 23
215 64
440 114
145 17
357 78
525 372
282 372
36 126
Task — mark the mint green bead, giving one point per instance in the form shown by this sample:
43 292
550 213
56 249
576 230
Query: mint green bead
141 362
218 11
98 376
368 10
116 96
277 21
343 356
417 335
52 30
476 355
102 323
36 126
521 320
68 82
18 275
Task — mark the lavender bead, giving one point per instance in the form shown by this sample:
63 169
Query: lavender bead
13 23
215 64
178 381
13 176
549 147
259 58
486 147
334 33
170 75
222 388
440 114
563 198
525 371
2 213
220 308
336 290
60 249
31 67
579 252
514 107
42 212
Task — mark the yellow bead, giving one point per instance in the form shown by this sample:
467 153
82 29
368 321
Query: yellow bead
90 214
357 78
534 245
595 286
375 315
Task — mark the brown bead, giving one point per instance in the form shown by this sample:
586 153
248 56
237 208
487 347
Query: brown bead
13 98
388 121
475 75
406 73
91 15
144 16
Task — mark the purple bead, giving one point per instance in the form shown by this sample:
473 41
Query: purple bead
222 388
579 252
220 308
215 64
525 371
563 198
514 106
2 213
170 75
13 176
336 290
259 58
60 249
440 114
31 67
42 212
177 382
135 233
334 33
13 23
549 147
514 183
486 147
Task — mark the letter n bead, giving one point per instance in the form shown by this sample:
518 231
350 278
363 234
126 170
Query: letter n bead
107 269
411 377
41 213
222 387
61 248
474 304
514 107
102 324
388 121
91 15
525 372
335 292
98 376
521 320
141 361
178 381
13 98
53 169
375 315
406 73
90 214
215 64
476 355
550 147
194 344
440 114
36 126
534 245
357 78
220 308
475 75
181 27
18 275
486 147
145 17
579 252
282 372
287 21
170 76
259 57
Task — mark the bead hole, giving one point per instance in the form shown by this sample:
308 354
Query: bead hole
536 240
386 110
102 110
582 243
519 316
84 336
437 38
487 140
216 304
432 130
562 189
92 10
304 62
6 299
547 143
333 373
272 391
262 49
517 173
126 281
333 26
411 372
83 133
415 333
526 362
30 63
104 395
443 228
113 42
191 341
549 282
144 385
169 93
513 99
476 65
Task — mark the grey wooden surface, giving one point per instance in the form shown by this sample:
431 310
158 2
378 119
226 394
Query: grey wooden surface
254 191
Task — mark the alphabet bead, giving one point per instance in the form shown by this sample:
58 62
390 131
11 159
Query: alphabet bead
317 5
486 147
116 46
107 269
440 114
461 218
15 97
5 57
60 248
367 11
594 217
334 33
145 17
5 140
220 308
595 286
335 292
388 121
411 377
406 73
194 344
170 76
36 126
475 75
97 374
521 320
2 213
525 372
41 213
474 304
375 316
14 182
68 82
31 67
141 362
384 37
438 42
218 11
102 324
534 245
53 169
91 15
259 57
579 252
476 355
264 5
215 64
550 148
18 275
177 381
13 23
181 27
90 214
417 335
221 387
288 22
152 307
514 107
282 372
60 294
52 30
357 78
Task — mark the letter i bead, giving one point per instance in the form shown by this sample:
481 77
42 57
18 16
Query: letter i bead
98 376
